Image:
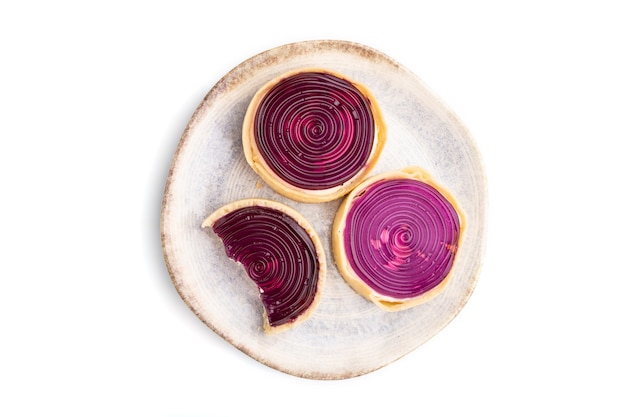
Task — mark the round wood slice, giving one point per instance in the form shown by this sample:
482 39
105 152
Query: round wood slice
346 335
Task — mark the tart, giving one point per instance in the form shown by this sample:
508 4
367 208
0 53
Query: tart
395 238
281 253
313 134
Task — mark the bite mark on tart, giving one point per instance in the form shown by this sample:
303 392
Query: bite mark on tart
281 253
313 134
395 238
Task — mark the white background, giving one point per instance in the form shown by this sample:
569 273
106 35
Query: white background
93 100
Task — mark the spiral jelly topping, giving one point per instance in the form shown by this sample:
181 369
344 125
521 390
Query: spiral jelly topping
278 255
401 236
315 130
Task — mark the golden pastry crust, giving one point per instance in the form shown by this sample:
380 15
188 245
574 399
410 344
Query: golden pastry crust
302 222
339 251
258 164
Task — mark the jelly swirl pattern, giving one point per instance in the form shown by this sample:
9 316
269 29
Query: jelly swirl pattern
399 237
315 130
279 256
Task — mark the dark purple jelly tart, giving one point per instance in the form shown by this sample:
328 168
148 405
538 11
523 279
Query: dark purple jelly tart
281 254
313 134
396 236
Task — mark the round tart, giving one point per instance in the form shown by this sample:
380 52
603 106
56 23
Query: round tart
395 238
313 134
281 254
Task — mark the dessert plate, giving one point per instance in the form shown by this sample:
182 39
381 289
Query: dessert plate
346 335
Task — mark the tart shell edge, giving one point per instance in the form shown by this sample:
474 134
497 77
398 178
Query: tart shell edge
338 247
308 228
258 164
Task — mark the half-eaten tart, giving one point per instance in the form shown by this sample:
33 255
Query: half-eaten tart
313 134
281 253
395 238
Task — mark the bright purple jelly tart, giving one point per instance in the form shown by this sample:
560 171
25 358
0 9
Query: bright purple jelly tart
395 238
313 134
281 254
